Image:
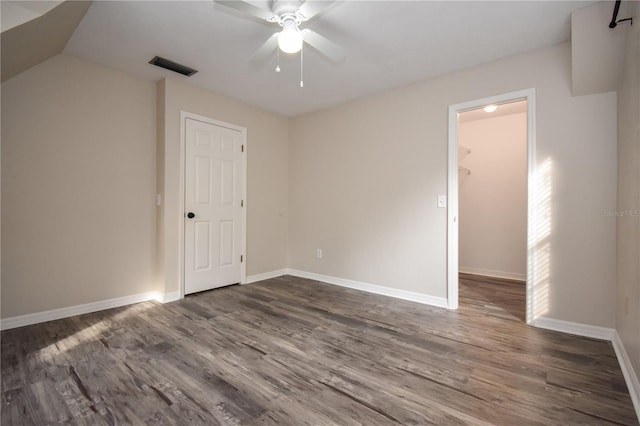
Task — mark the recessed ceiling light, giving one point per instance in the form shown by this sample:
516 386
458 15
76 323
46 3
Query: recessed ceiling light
490 108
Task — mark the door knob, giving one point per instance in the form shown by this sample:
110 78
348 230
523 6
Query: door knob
191 215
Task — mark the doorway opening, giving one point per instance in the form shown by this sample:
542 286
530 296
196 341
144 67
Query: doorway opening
490 192
213 201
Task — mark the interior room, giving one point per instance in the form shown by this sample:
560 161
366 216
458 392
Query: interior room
277 212
492 194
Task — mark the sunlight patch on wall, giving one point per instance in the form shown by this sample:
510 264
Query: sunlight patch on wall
539 241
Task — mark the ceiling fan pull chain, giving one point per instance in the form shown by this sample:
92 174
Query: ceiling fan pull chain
278 60
301 65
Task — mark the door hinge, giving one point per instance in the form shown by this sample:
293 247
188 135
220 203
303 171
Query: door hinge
241 203
242 148
241 258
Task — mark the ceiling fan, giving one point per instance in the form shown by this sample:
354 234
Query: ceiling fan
289 15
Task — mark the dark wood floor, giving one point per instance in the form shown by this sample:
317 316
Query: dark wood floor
296 352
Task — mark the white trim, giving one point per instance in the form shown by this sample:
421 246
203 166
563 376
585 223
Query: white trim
168 297
452 191
181 183
630 376
603 333
266 276
426 299
184 115
493 274
86 308
612 335
576 328
452 211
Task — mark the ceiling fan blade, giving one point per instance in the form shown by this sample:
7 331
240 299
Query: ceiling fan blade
263 53
310 8
324 46
247 8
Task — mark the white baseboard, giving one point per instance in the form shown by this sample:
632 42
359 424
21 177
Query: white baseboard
610 334
493 274
266 276
578 329
86 308
629 374
167 297
54 314
547 323
440 302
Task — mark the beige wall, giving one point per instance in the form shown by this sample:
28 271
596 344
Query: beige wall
267 164
79 161
628 302
363 183
597 52
364 177
78 182
493 198
358 180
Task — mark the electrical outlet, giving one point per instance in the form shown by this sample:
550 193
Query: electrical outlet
319 253
442 201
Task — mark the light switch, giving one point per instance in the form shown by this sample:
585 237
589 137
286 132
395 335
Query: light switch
442 201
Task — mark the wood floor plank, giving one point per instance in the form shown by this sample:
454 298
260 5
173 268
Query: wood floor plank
299 352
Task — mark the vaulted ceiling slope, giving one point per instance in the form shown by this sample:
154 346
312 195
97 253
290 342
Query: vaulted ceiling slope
36 40
386 43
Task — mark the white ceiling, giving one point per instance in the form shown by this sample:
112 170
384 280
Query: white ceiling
387 44
14 13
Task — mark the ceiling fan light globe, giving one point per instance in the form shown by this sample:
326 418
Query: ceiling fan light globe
290 40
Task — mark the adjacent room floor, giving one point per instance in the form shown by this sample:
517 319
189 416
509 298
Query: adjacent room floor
294 351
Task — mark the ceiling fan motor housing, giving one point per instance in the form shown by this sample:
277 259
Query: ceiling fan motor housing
289 15
285 7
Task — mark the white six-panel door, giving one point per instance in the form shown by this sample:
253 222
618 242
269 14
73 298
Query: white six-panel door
213 206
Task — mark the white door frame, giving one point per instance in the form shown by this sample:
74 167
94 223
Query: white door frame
184 115
452 191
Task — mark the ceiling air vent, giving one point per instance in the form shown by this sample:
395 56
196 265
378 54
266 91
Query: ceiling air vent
172 66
